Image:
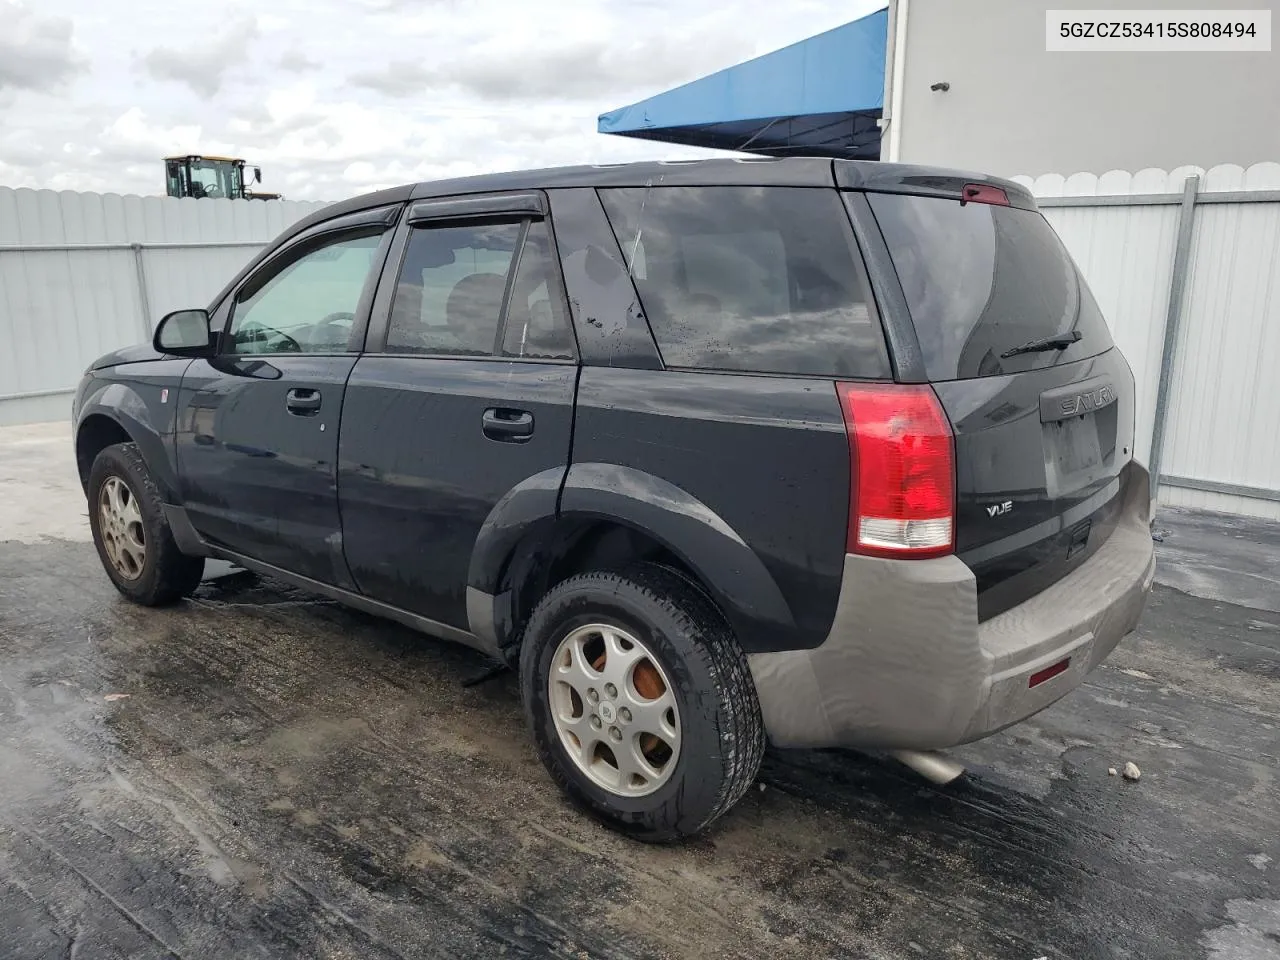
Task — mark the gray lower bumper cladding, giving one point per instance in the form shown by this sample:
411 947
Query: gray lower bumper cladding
907 665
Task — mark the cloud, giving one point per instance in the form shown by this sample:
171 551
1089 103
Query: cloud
400 78
387 6
203 67
36 51
576 69
472 86
133 137
590 67
295 61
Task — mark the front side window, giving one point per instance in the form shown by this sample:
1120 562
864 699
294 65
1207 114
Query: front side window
454 284
310 305
761 279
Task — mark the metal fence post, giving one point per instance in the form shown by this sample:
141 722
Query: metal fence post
144 295
1172 320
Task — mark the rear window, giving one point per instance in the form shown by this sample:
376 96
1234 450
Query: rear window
981 280
760 279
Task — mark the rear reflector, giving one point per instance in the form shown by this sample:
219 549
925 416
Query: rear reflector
902 497
983 193
1048 673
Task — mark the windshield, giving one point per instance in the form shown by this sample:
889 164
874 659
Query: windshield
215 178
981 280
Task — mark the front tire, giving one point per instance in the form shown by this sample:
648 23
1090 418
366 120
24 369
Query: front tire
640 701
131 533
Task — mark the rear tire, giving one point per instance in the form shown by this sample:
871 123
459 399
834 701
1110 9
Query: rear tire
657 623
131 533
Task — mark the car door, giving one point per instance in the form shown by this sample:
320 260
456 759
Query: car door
257 435
465 391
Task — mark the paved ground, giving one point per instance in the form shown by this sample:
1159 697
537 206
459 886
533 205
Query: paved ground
260 774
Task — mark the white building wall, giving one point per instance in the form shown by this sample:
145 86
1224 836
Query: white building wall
1015 108
62 308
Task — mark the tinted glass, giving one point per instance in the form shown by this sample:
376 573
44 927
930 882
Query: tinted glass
214 178
982 279
537 322
309 306
749 278
449 296
174 178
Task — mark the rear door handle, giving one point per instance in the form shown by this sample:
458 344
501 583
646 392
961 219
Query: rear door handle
303 401
505 424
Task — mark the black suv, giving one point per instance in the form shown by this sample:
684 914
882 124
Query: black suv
828 452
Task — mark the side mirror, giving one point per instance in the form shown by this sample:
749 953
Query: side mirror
257 174
184 333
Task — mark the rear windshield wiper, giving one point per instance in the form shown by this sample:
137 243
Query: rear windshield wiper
1059 342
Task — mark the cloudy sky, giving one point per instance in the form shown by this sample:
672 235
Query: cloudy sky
336 97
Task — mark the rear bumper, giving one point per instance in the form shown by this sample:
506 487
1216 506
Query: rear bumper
907 665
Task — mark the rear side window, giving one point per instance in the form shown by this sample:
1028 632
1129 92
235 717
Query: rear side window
455 282
537 322
449 297
982 280
759 279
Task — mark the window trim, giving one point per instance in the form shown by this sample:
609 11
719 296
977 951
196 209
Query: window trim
513 271
370 222
488 209
881 277
464 208
562 288
565 316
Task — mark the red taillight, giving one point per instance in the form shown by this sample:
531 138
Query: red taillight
902 494
983 193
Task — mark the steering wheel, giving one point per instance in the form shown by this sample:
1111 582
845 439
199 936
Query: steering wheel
332 331
253 328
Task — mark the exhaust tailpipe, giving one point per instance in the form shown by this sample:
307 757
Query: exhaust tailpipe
934 767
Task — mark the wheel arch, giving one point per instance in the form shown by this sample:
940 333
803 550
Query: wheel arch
94 434
607 515
117 414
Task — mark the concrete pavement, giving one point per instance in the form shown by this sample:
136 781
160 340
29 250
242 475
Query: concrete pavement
260 773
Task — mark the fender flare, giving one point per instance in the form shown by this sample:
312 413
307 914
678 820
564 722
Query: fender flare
532 501
121 404
526 506
735 576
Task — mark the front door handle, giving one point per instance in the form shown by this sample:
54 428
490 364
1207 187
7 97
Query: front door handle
303 401
506 424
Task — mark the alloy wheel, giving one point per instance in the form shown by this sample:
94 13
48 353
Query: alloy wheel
120 524
614 710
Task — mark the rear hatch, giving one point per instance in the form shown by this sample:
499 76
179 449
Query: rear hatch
1040 400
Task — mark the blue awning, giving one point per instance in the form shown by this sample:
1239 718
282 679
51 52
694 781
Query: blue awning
821 96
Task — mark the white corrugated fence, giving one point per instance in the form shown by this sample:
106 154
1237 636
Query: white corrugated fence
1220 448
83 273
